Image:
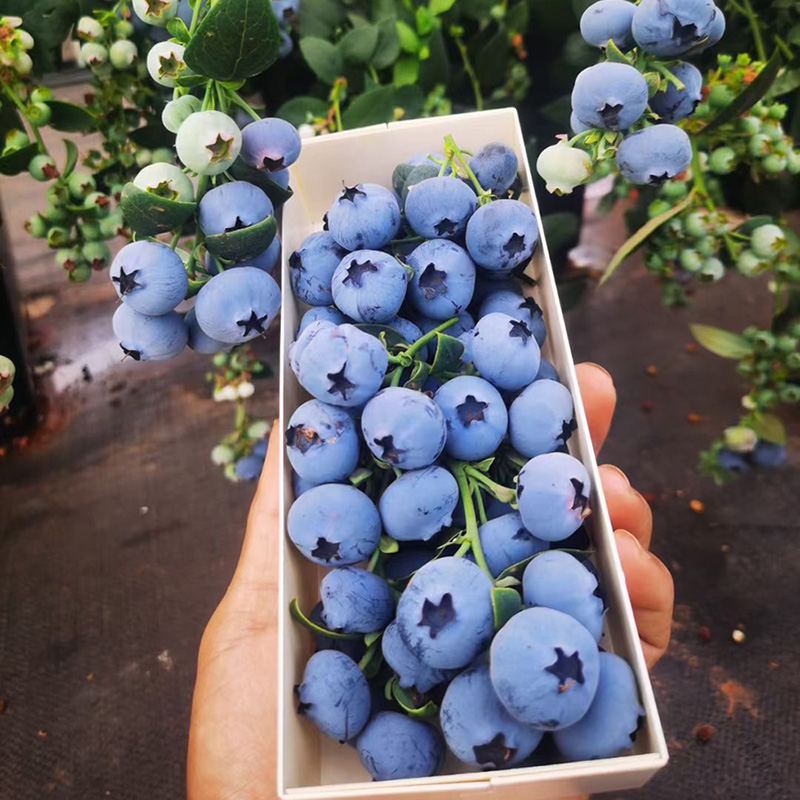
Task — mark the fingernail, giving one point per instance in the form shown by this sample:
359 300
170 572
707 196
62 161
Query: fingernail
627 541
617 471
597 366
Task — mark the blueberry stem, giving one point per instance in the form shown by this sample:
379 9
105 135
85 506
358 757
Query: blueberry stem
469 69
670 76
396 375
298 616
502 493
195 15
580 137
413 349
451 150
374 559
208 96
697 177
465 487
369 655
243 104
480 506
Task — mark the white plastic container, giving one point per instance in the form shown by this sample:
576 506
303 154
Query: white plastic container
309 765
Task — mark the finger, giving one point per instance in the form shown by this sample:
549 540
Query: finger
627 508
652 595
599 398
258 561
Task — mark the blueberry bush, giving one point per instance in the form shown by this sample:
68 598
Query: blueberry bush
688 146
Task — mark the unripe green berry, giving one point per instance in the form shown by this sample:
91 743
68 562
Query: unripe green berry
90 231
790 393
696 224
94 55
702 110
96 254
793 162
749 125
740 439
39 114
654 262
144 157
722 160
81 273
122 54
111 225
89 29
219 359
55 214
713 270
764 340
163 155
80 184
222 454
43 168
57 237
36 226
691 260
68 258
793 361
98 203
57 194
658 207
773 129
674 190
749 264
123 29
777 111
767 240
759 145
774 163
719 96
706 246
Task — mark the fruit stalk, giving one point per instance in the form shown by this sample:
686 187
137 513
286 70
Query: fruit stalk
450 146
459 471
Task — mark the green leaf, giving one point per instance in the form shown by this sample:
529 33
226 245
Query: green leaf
303 109
388 49
72 158
392 337
359 44
152 137
388 545
298 616
236 39
643 234
244 243
721 343
561 230
613 53
324 59
370 108
244 172
148 214
448 354
517 18
485 465
17 161
70 118
409 41
750 96
320 17
509 582
406 71
177 30
413 703
505 603
441 6
435 70
770 428
369 638
418 377
750 224
425 21
489 64
786 82
48 21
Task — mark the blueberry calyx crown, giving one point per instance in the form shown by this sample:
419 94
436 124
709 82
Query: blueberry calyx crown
325 550
529 304
391 453
657 180
271 164
581 500
567 668
519 330
522 535
515 245
567 428
495 752
436 617
237 225
356 272
302 437
126 281
296 261
339 383
445 227
684 34
253 323
471 410
610 114
220 149
350 193
433 282
136 355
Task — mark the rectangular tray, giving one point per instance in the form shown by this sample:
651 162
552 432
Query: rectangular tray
309 765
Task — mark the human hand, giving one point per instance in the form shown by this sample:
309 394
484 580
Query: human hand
232 747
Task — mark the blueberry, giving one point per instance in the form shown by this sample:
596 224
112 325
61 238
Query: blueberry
364 217
248 468
466 340
164 180
334 525
547 371
504 351
394 746
237 305
609 95
157 14
673 104
334 695
445 613
558 580
540 420
496 508
732 461
609 726
340 364
410 332
506 541
576 126
327 313
146 338
608 19
418 174
495 167
475 415
231 207
654 155
517 307
369 285
715 33
149 277
286 11
417 505
478 729
465 323
208 142
322 442
176 111
553 495
667 28
300 485
355 601
270 144
502 236
410 671
312 266
544 668
266 260
199 341
439 208
165 61
404 428
768 454
444 279
260 448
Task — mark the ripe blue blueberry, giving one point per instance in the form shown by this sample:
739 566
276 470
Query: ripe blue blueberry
732 461
439 208
327 313
312 266
300 485
248 468
504 351
654 155
673 104
465 323
146 338
410 332
417 505
553 495
506 541
369 285
199 341
270 144
394 746
558 580
149 277
334 525
340 364
478 729
445 613
267 259
475 415
544 668
495 167
322 442
517 307
608 19
286 11
502 236
444 279
769 454
466 340
231 207
334 695
547 372
354 648
540 420
237 305
715 33
364 217
609 726
576 126
355 601
609 95
410 671
666 28
404 428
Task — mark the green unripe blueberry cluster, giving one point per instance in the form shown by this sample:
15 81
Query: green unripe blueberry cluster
772 367
107 46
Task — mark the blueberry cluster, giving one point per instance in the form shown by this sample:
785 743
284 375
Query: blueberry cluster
449 594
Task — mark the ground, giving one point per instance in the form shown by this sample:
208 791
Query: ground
119 536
